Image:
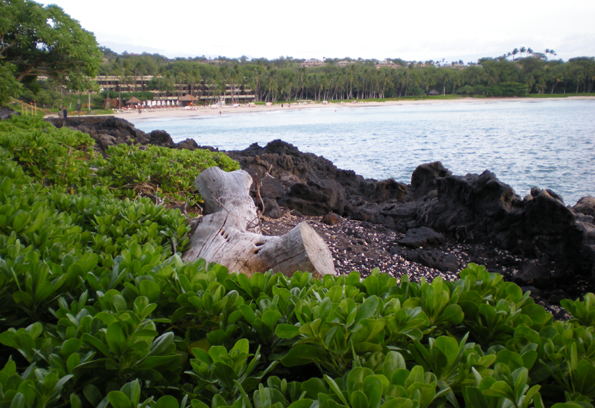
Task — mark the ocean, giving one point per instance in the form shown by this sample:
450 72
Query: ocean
526 143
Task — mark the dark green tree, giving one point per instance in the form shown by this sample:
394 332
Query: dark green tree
38 40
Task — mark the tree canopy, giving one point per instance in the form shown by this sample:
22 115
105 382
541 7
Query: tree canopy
38 40
284 79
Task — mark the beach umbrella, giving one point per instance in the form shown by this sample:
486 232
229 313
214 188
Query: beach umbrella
133 100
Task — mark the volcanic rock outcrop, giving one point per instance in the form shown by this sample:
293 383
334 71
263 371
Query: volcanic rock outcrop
556 243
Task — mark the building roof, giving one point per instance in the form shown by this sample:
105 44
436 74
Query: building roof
188 98
133 100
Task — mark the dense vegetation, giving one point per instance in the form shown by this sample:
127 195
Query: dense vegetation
285 80
38 40
98 309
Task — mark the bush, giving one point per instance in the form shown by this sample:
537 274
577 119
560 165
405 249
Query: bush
98 308
133 170
507 89
465 90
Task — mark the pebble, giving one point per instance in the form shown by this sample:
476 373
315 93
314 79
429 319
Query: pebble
361 246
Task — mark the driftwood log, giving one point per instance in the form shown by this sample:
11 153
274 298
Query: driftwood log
230 233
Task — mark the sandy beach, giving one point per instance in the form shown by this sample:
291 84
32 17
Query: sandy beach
174 112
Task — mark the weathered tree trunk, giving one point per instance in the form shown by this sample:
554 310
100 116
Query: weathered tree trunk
230 234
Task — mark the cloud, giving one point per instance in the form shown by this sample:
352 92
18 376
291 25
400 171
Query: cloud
313 28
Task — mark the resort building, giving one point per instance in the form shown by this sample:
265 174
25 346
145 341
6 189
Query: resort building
344 63
386 63
313 63
203 92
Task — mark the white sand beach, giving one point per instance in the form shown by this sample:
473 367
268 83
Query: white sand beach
181 112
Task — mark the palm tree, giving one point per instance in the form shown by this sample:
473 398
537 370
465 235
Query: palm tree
514 53
547 51
523 49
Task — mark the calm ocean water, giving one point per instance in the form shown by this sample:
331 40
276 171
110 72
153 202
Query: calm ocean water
543 143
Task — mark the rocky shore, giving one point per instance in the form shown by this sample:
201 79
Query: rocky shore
431 227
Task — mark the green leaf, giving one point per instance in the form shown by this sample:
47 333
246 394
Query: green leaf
70 346
287 331
449 347
303 354
500 389
510 358
366 309
398 403
313 387
91 392
474 398
303 403
75 401
150 289
23 298
18 401
247 312
335 389
132 390
533 391
119 400
358 400
96 344
116 339
167 401
156 361
162 344
373 390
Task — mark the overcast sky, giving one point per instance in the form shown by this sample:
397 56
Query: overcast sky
411 30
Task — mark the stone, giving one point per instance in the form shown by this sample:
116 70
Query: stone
271 209
533 272
585 205
432 258
331 219
423 179
421 237
188 144
161 138
7 113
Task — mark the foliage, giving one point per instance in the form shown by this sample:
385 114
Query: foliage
159 171
98 309
64 157
582 312
9 86
507 89
284 80
51 155
37 40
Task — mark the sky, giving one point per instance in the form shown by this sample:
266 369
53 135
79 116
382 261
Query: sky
412 30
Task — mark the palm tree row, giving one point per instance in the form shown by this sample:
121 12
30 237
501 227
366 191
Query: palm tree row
272 81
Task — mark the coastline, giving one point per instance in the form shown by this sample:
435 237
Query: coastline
179 112
371 217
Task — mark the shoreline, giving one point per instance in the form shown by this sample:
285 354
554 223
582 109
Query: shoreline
179 112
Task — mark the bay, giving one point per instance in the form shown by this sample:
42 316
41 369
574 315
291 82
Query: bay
526 143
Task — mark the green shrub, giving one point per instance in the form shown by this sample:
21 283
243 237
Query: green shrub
97 308
53 156
159 171
507 89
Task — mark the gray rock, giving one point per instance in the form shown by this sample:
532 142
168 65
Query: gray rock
7 113
432 258
423 179
533 272
421 237
585 205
